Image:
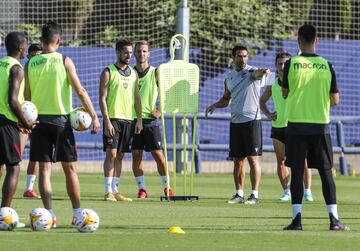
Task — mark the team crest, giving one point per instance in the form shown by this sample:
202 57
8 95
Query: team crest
125 84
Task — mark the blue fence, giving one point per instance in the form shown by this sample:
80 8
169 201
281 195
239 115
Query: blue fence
91 61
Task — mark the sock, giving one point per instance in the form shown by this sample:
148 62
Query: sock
163 182
296 208
140 182
30 180
108 181
307 191
52 212
332 209
77 211
287 190
240 192
255 193
115 184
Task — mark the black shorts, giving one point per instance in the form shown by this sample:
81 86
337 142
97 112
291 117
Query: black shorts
122 139
316 149
149 139
245 139
52 143
9 142
279 134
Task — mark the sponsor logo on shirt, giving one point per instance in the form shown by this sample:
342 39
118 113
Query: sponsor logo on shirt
316 66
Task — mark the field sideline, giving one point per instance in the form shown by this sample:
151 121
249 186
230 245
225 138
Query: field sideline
210 223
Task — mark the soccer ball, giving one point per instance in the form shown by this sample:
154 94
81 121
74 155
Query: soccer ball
87 221
40 219
29 111
80 119
8 218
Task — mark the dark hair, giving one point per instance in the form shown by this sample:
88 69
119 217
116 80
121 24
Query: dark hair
307 32
282 54
122 42
13 40
238 48
34 47
142 42
49 31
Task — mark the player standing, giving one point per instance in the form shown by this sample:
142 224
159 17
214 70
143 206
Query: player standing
150 137
242 88
11 116
278 129
119 96
310 87
50 78
33 50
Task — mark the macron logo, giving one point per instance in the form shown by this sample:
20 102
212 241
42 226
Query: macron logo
315 66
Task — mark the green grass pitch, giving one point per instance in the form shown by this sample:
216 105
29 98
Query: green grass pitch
209 224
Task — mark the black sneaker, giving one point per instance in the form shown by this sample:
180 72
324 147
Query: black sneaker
236 199
295 224
336 225
252 200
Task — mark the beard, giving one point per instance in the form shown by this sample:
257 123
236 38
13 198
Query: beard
124 61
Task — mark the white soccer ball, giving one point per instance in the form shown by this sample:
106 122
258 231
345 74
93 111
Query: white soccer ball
40 219
87 221
29 111
80 119
8 219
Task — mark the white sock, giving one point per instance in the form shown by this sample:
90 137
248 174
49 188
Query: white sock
77 211
240 192
140 182
163 182
108 181
332 209
30 180
52 212
296 208
307 191
255 193
287 190
115 184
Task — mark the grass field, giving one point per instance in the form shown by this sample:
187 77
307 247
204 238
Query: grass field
210 223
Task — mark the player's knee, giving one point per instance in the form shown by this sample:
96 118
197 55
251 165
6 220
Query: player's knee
137 154
111 156
158 156
119 157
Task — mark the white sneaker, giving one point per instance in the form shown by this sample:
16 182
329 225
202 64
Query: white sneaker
285 197
308 197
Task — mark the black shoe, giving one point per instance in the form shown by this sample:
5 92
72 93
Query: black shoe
236 199
252 200
295 224
336 225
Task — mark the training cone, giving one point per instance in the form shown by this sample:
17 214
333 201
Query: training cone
176 230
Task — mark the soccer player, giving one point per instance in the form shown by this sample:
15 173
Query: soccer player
119 96
242 88
49 80
33 50
150 137
278 130
11 116
310 87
